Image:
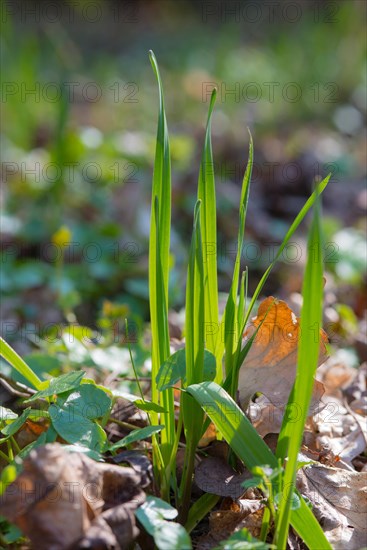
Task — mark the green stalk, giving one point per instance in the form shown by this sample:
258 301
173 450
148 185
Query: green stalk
195 322
172 463
159 245
200 509
298 219
244 440
21 366
240 319
208 216
5 457
231 327
308 353
265 524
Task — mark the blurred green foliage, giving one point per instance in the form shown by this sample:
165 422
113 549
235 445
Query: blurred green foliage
79 117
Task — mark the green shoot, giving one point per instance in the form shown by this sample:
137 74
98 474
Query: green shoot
21 366
231 327
195 323
159 244
208 215
308 353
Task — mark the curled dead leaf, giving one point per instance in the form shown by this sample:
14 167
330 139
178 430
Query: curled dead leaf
239 514
340 430
339 500
270 365
63 500
214 475
139 462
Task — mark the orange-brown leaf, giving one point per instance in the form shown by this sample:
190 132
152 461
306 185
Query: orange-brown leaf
270 366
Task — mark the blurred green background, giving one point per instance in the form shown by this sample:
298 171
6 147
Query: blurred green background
79 114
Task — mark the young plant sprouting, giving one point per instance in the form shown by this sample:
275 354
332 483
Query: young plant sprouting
207 391
201 310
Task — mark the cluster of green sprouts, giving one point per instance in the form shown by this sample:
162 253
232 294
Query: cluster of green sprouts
206 369
210 390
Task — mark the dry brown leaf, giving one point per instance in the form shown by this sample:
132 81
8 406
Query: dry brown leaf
214 475
337 376
232 513
253 521
346 447
139 462
245 515
359 406
270 366
224 522
62 500
265 417
340 430
339 500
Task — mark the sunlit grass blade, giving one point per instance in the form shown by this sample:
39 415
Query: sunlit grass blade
195 312
18 364
308 528
194 330
162 178
244 440
206 193
159 245
243 298
231 327
298 219
308 353
199 510
239 322
240 356
286 429
233 424
166 397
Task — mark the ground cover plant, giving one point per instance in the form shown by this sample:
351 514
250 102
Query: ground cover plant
194 389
